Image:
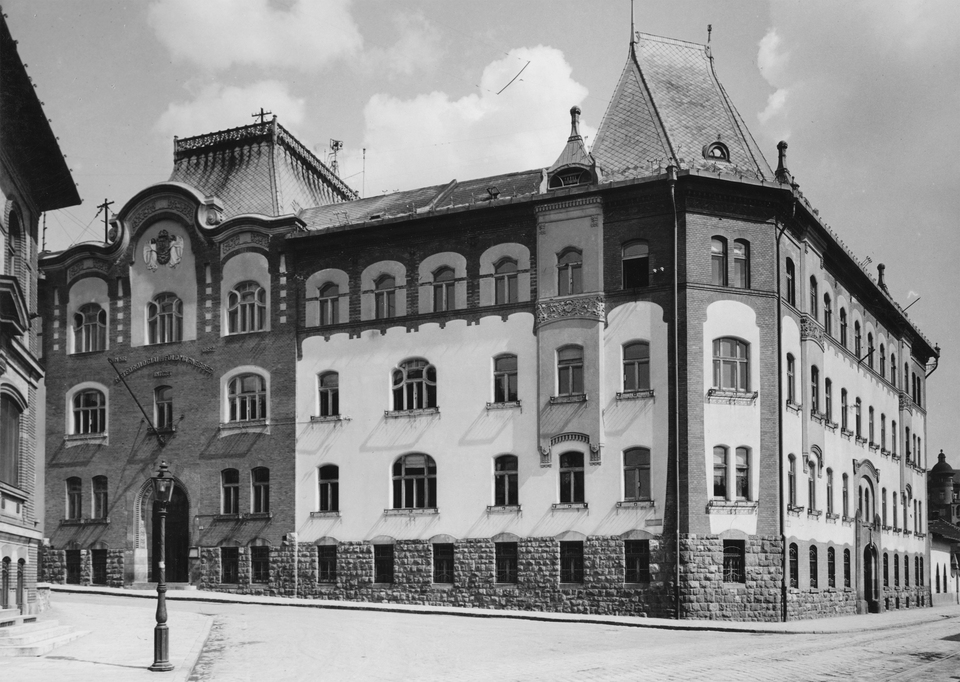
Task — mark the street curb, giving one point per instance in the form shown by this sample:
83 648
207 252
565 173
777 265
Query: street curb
817 627
199 644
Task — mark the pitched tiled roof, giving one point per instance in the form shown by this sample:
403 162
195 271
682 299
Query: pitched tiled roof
944 529
667 107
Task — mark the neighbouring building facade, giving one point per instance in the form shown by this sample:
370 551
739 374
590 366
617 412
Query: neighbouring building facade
944 506
639 381
33 178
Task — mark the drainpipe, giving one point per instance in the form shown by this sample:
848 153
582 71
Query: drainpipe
672 183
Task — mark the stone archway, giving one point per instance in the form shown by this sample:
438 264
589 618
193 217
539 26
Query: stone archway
146 524
870 586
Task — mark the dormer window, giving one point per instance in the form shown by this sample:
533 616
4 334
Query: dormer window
570 178
716 151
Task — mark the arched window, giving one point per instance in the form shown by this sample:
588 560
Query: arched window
742 465
883 506
74 498
814 297
792 481
415 482
814 567
846 568
444 297
827 315
505 379
385 297
505 481
328 386
883 431
230 491
828 400
89 412
329 303
731 365
165 319
570 370
636 264
328 477
414 385
718 261
857 339
636 366
247 395
741 264
906 571
636 474
720 472
831 567
893 436
794 565
571 478
569 272
734 564
886 570
246 308
870 430
90 329
791 276
870 350
505 281
100 508
896 521
163 408
9 440
883 361
812 485
846 496
893 369
843 327
830 492
814 390
906 443
14 247
791 380
844 421
260 482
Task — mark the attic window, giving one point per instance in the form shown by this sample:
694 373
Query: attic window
376 216
716 151
570 178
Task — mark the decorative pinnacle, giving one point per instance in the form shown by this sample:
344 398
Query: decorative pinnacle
574 122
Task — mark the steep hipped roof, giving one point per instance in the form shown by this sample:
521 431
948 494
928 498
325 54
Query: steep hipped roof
668 107
259 168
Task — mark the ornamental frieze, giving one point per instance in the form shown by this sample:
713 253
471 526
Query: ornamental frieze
164 203
244 239
585 306
87 264
905 403
810 329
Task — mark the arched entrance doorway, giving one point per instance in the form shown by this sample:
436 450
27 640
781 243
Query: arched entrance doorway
5 583
177 538
21 578
870 590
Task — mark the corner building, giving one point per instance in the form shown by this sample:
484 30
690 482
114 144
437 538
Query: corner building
602 386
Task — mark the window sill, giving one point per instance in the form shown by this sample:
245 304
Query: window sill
794 407
256 516
794 510
559 506
328 418
252 426
635 504
163 430
325 514
814 513
860 440
572 398
721 396
87 353
227 517
424 511
421 412
844 433
509 405
732 507
847 521
830 425
503 509
85 522
641 394
74 439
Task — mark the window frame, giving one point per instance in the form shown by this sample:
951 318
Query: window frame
636 370
384 558
790 274
164 319
328 304
11 414
90 329
327 563
814 558
163 408
243 405
506 281
444 560
571 562
740 364
100 488
734 561
571 478
73 486
506 477
636 475
414 385
328 394
260 490
229 492
328 488
636 555
246 308
414 487
506 562
260 564
635 267
229 565
443 292
718 261
570 371
741 264
570 271
505 379
89 420
385 297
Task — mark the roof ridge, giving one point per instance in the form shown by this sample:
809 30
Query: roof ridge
670 41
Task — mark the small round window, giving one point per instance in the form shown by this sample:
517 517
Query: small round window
716 151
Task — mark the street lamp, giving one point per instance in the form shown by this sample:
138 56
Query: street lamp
162 493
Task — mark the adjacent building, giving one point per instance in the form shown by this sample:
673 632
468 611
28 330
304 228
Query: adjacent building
944 505
647 379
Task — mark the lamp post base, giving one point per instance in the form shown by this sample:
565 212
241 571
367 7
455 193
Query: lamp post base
161 650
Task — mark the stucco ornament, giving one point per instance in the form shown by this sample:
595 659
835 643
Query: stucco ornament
587 306
163 250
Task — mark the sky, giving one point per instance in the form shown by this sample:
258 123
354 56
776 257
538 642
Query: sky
865 93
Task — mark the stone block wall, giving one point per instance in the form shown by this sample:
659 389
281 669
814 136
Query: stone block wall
53 566
115 567
821 603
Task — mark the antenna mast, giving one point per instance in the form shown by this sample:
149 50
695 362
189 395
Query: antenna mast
335 146
105 206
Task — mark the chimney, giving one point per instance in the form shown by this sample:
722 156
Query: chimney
880 268
574 122
782 174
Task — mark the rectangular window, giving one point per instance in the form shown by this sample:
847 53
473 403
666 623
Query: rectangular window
741 265
505 379
260 564
327 563
383 563
74 498
506 558
260 478
443 563
230 496
9 441
636 474
571 478
98 559
636 561
571 562
733 561
230 565
99 497
570 371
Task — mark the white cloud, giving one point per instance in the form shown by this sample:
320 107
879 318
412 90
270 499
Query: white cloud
217 34
771 58
418 47
775 105
432 138
217 107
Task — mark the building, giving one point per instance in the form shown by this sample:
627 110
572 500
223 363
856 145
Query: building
944 506
33 178
640 381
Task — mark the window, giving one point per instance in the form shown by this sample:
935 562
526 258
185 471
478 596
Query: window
328 385
74 498
636 265
98 561
636 474
73 566
906 443
329 304
720 472
327 563
844 421
165 319
884 507
383 563
831 567
814 298
886 570
163 408
505 481
893 369
636 366
870 350
896 523
414 385
505 379
570 370
246 308
794 566
741 264
858 417
883 431
443 563
444 297
857 339
248 398
329 488
846 496
9 440
814 567
791 276
812 485
843 327
828 399
229 491
733 561
731 365
827 315
846 568
89 412
571 562
260 480
506 562
870 430
89 329
893 436
569 272
637 561
883 361
791 381
260 564
792 481
385 297
718 261
100 497
230 565
505 281
571 478
415 482
814 390
829 492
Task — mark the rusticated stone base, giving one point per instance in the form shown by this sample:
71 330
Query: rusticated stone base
821 603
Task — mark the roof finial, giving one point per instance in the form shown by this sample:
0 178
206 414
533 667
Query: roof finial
709 31
633 29
574 122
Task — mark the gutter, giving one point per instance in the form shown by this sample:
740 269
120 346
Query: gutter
672 183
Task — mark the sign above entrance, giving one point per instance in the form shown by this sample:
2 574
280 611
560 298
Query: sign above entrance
157 359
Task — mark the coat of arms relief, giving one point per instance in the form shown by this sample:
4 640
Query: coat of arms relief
163 250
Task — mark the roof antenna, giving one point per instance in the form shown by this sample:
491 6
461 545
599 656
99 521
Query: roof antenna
335 146
633 30
709 31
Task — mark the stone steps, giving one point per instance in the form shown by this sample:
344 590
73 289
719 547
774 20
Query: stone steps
23 635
